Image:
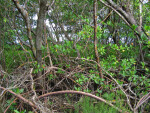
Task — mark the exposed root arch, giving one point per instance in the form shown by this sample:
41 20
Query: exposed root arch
81 93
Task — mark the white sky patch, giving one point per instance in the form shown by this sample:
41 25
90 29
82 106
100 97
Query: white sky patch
145 1
17 40
35 17
110 40
53 24
47 22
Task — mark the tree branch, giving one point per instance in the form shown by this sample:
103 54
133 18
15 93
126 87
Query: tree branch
95 39
81 93
21 98
25 15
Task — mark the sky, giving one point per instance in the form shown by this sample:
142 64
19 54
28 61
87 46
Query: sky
145 1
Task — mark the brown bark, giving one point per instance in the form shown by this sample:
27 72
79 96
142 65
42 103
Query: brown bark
21 98
39 34
25 15
81 93
140 31
95 40
47 46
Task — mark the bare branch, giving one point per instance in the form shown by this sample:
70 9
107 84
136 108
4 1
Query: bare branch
25 15
95 38
20 97
142 100
81 93
122 14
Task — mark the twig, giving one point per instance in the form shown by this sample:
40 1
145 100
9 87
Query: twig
10 105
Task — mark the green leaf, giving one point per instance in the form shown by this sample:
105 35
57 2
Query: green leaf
146 27
16 111
134 26
30 112
21 90
56 46
5 20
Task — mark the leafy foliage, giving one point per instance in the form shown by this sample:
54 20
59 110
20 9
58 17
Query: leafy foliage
68 55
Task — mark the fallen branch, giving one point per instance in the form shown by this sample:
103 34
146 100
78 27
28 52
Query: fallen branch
21 98
142 100
81 93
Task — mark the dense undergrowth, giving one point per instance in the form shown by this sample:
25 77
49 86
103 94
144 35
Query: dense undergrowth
81 74
31 83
